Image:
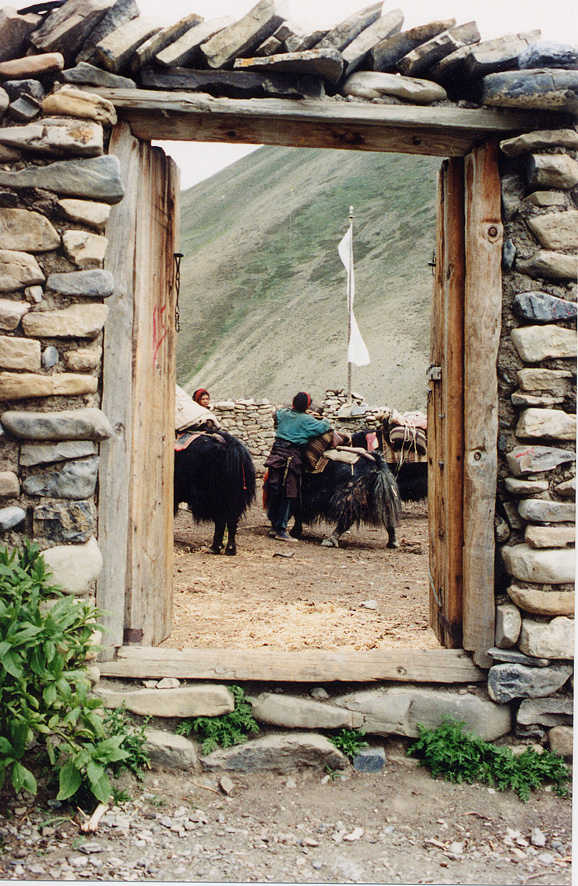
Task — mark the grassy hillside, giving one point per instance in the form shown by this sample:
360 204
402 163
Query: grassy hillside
263 295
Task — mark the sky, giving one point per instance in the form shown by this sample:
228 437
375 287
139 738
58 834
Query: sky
557 19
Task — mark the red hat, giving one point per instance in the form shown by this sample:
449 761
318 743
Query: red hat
199 393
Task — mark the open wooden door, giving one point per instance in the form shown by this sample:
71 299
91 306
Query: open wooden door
463 402
136 466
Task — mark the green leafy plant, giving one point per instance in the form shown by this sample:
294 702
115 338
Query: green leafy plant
457 756
349 741
226 730
45 638
118 722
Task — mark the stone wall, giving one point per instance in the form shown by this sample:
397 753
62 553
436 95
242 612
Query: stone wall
57 185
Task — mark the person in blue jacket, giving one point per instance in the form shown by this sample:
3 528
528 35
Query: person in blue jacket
294 428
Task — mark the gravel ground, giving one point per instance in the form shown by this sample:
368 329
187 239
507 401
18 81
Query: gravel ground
396 826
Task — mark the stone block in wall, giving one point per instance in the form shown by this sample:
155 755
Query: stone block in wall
67 27
550 536
120 13
496 55
17 270
75 481
86 212
31 66
552 171
535 459
567 489
540 566
186 50
551 711
548 90
56 136
561 740
546 423
343 34
196 700
423 58
64 523
72 102
546 54
516 657
508 625
46 453
166 37
529 142
11 517
557 381
15 28
24 230
19 353
537 343
115 50
50 357
538 511
83 359
552 640
520 398
96 178
389 51
509 681
386 25
299 713
20 386
278 752
77 321
89 75
547 603
374 84
94 283
24 109
541 307
170 750
9 485
549 264
244 35
545 198
525 487
72 424
74 568
557 231
83 248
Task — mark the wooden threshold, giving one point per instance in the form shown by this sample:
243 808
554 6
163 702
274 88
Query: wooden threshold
310 666
435 131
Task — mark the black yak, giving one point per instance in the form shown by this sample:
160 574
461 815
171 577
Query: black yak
411 475
348 494
215 476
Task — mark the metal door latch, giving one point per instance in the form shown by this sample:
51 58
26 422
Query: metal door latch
434 373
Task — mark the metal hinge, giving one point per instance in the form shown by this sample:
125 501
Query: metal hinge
434 373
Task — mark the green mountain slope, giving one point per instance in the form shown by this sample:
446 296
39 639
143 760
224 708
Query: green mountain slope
263 302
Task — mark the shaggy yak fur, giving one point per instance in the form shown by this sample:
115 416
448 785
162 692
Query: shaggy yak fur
411 476
215 476
344 494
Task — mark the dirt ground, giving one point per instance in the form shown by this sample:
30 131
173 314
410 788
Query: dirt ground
302 595
397 826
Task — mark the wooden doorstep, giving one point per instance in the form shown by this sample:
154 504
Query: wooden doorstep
310 666
434 131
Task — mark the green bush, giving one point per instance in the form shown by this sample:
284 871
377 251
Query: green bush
349 741
226 730
44 688
457 756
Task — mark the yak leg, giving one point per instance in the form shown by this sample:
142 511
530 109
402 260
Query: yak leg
391 540
219 533
231 548
332 541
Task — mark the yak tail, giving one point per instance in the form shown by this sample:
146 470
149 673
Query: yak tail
240 471
373 498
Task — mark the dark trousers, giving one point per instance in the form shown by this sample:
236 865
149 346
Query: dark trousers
279 508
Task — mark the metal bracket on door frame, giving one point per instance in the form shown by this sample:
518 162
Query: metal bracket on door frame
434 373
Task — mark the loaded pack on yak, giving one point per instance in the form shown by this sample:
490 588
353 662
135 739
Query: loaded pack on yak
214 472
402 440
345 486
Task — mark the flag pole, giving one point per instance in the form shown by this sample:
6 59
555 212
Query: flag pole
349 298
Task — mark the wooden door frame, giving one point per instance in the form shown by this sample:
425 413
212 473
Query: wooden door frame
417 130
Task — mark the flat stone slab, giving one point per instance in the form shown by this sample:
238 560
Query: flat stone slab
186 52
120 13
84 248
56 136
66 29
72 102
549 603
72 424
374 84
539 565
115 50
526 487
389 51
69 523
19 353
545 711
536 343
324 63
17 271
540 89
509 681
369 760
170 750
74 568
544 53
557 381
517 657
540 511
535 459
15 28
281 753
76 481
552 640
550 536
9 485
235 84
244 35
20 386
357 51
187 701
96 178
546 423
301 713
86 212
541 307
94 283
529 142
26 231
552 171
77 321
160 40
89 75
549 264
32 66
558 230
497 55
424 57
344 33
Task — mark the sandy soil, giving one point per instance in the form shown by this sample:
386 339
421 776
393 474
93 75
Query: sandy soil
275 594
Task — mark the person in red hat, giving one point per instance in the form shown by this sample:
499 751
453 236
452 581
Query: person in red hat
201 396
294 428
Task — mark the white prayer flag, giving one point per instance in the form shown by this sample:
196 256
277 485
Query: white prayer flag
356 352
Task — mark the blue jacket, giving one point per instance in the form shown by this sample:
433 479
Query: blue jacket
299 427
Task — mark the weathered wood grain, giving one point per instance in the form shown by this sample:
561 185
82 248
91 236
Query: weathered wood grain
312 666
482 323
441 132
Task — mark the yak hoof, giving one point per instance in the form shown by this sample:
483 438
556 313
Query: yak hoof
330 542
393 544
214 550
231 551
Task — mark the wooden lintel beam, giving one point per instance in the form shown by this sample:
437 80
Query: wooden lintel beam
435 131
311 666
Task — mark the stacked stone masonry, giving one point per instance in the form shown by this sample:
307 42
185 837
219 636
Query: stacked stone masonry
57 185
